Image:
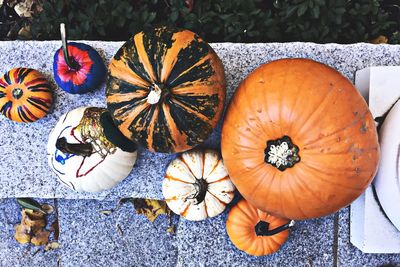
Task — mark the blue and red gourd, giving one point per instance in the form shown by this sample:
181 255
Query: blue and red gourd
78 68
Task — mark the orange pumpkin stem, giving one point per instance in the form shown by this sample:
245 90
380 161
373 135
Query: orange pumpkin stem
262 228
281 153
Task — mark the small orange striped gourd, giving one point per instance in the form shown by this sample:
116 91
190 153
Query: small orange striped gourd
25 95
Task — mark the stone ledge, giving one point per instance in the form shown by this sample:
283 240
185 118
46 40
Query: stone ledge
206 243
88 238
23 163
11 252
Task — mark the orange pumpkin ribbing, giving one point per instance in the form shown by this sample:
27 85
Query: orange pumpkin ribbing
324 116
240 226
166 89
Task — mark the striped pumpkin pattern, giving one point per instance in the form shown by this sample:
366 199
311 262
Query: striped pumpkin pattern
25 95
166 89
197 185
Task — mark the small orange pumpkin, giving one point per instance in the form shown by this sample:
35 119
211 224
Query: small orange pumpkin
256 232
25 95
298 139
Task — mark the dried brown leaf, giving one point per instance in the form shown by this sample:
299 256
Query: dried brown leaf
189 4
150 208
55 227
381 39
31 220
22 234
33 215
51 246
25 32
40 238
49 209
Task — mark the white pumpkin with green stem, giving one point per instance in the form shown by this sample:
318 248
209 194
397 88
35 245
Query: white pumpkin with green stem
197 185
87 152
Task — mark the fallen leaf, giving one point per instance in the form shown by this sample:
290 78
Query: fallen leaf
29 203
25 32
49 209
51 246
33 215
171 229
120 232
25 8
150 208
106 212
55 227
381 39
40 238
189 4
32 219
22 234
31 228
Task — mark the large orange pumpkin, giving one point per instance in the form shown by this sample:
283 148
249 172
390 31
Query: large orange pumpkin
166 89
299 140
255 232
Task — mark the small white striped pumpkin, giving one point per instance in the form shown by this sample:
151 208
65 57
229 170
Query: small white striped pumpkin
197 185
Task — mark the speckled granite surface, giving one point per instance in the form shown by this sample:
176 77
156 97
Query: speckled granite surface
206 243
14 254
90 238
23 151
349 255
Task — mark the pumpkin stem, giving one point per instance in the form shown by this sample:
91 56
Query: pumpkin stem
281 153
261 228
154 95
17 93
70 62
201 186
85 149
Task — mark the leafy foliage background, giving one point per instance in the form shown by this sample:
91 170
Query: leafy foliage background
322 21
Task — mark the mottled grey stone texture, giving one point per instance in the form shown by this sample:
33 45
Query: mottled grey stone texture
90 238
206 243
349 255
23 146
13 254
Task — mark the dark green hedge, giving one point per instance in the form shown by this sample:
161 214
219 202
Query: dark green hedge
342 21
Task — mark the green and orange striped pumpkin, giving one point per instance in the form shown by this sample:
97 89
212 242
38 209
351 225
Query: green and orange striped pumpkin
25 95
166 89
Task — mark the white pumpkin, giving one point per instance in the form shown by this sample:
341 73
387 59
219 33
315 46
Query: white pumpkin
197 185
83 157
387 180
